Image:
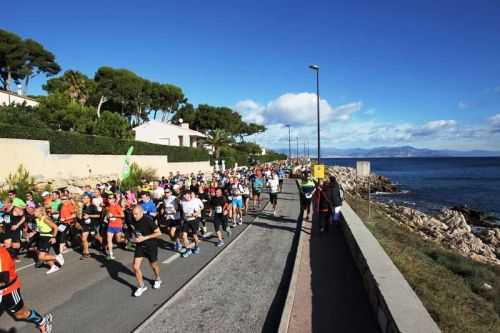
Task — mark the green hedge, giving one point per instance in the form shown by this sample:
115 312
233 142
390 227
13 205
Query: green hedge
74 143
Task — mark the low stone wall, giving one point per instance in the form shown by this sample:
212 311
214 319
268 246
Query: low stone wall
396 305
35 156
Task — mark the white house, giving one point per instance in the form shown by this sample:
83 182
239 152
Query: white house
167 134
8 98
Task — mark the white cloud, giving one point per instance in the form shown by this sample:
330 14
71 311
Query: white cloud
435 127
495 122
339 129
251 111
462 105
296 109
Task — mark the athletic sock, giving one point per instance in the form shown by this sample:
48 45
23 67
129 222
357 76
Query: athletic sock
35 317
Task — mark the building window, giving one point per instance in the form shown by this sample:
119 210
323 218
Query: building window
181 140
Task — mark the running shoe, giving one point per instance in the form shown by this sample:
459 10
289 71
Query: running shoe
220 243
85 256
228 231
187 253
196 250
157 284
110 257
53 269
46 324
140 290
60 259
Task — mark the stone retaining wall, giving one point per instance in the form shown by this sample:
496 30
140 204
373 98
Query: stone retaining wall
35 156
396 305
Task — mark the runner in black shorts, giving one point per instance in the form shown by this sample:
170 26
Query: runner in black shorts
89 224
11 299
219 208
145 233
191 213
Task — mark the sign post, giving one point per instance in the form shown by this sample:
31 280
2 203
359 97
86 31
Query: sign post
319 171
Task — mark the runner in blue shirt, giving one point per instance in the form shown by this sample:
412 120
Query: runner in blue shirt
148 205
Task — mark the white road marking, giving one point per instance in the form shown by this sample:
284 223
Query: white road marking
171 258
33 264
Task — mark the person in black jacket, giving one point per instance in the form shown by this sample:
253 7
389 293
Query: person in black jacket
335 196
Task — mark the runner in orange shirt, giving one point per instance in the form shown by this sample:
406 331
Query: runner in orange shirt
10 295
115 216
67 217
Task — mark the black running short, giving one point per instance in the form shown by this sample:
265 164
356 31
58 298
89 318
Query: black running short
191 227
149 251
220 220
63 236
173 223
273 198
14 236
88 227
43 244
12 302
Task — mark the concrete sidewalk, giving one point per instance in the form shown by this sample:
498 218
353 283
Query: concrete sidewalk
241 290
329 294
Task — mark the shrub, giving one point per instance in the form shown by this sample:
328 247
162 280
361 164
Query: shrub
21 182
74 143
136 176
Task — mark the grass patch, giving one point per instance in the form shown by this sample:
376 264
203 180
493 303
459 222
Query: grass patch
450 286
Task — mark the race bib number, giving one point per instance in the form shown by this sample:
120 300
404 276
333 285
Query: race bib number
55 216
87 221
309 195
6 219
218 209
61 227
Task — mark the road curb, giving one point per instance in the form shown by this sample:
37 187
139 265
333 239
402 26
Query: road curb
184 287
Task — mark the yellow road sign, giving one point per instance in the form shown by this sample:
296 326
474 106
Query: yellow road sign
319 171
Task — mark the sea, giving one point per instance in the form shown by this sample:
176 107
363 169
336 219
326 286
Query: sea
429 184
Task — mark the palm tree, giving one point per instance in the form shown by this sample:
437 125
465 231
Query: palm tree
217 139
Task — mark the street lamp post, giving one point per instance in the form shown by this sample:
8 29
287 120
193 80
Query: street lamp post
316 68
289 143
297 149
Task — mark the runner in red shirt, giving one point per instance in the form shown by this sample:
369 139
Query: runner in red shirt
10 295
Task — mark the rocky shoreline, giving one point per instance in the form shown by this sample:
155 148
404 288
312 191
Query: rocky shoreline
468 232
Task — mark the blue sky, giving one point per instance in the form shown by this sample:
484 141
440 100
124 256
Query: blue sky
425 73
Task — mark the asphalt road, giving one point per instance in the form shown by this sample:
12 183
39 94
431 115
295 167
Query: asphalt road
244 288
95 295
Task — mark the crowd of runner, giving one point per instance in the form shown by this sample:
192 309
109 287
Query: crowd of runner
105 217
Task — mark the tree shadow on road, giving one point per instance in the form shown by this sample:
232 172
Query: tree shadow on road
114 269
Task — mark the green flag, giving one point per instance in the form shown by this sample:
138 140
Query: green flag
126 164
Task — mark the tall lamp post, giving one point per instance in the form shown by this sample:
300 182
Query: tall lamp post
297 149
289 143
316 68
